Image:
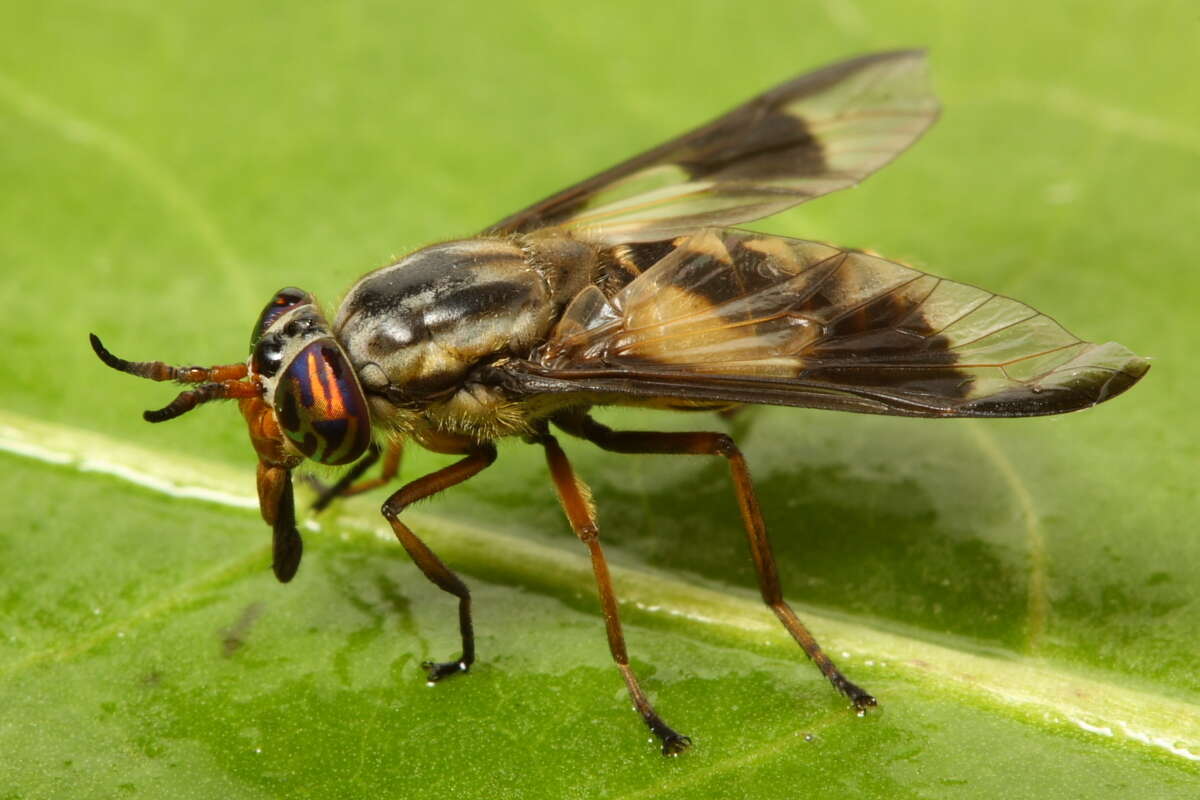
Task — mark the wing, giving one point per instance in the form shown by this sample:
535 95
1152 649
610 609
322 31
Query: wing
735 316
813 135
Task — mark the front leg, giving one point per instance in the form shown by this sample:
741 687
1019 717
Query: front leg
479 457
349 484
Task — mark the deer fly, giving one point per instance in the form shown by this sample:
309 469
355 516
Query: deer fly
631 289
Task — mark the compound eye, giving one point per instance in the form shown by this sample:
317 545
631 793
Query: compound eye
267 356
321 407
283 301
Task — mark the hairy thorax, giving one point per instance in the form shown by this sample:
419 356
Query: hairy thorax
420 329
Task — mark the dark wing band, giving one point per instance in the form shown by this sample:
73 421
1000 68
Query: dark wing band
818 133
736 316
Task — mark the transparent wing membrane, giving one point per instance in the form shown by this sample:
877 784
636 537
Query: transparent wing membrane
813 135
742 317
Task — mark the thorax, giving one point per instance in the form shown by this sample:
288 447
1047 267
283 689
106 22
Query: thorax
416 331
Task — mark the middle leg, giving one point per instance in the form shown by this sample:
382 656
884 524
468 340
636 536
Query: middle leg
719 444
576 502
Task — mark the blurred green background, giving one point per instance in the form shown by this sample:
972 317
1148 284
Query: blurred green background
1020 595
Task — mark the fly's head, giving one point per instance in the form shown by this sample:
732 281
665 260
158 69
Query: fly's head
308 381
298 393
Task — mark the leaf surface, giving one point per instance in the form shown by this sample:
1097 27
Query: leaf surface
1020 595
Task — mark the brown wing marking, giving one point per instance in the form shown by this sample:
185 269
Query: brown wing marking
622 263
810 136
740 317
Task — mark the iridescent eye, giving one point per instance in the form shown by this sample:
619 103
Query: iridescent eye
267 356
283 300
321 407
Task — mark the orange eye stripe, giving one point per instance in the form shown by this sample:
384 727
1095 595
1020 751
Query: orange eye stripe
327 395
315 384
320 405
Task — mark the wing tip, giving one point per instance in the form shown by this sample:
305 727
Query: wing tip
897 54
830 74
1099 374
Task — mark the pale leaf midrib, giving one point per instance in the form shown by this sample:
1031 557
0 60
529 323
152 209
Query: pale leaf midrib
1037 691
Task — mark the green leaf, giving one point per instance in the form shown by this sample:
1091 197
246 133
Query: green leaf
1020 595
